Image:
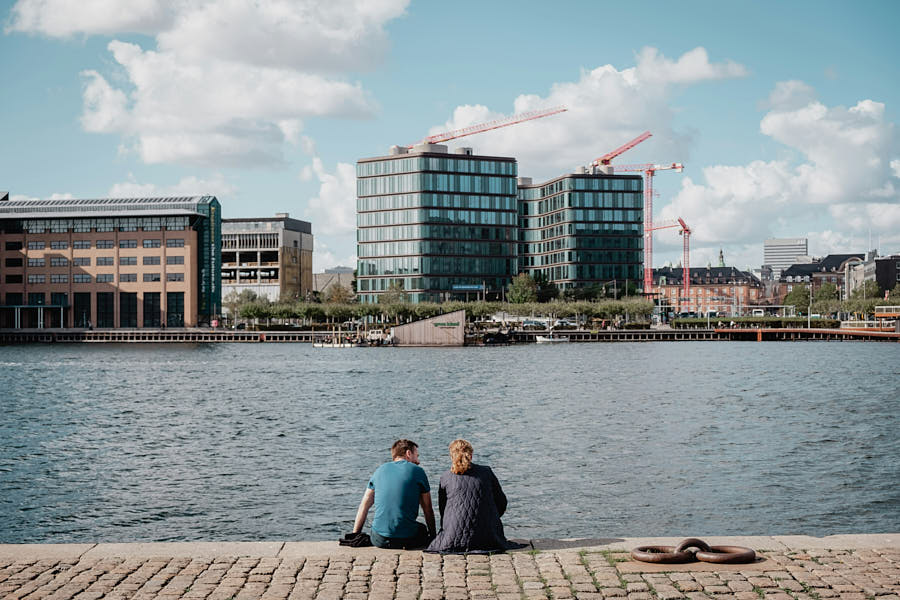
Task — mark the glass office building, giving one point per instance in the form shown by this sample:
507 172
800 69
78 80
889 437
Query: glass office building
582 229
439 225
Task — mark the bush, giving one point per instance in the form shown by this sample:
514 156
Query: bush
757 322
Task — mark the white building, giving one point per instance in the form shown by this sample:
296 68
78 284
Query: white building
781 253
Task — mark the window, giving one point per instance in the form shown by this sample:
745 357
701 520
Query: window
151 260
13 298
13 279
127 243
59 245
13 262
37 279
151 277
175 243
174 276
127 309
81 244
81 278
105 261
36 245
81 261
82 309
174 260
59 299
59 278
127 277
105 278
105 309
59 261
105 244
128 260
35 262
151 309
37 298
151 243
13 245
175 309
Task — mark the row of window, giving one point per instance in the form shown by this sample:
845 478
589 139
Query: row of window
85 244
583 200
436 182
125 224
581 229
587 272
87 278
433 163
436 247
436 215
429 200
582 257
607 183
441 232
581 242
409 265
580 216
101 261
428 283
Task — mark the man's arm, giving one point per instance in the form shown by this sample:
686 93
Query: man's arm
368 500
428 510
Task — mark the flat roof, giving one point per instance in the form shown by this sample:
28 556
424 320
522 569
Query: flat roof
289 223
582 176
437 155
102 207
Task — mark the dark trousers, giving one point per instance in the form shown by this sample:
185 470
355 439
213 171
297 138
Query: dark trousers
420 540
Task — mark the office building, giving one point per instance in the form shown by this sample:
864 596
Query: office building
110 262
582 229
271 257
720 290
781 253
438 225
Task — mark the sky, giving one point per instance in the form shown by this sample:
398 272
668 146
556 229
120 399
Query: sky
783 113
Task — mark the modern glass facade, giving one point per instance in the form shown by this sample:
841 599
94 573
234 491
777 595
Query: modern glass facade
438 225
582 229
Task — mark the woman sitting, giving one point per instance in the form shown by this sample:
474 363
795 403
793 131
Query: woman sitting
471 502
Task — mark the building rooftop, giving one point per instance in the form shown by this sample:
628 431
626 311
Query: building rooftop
102 207
721 275
254 224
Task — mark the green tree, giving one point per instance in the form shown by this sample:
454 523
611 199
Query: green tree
546 289
828 291
393 295
894 296
867 291
522 289
798 297
338 294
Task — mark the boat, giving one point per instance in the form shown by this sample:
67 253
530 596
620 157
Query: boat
337 339
550 339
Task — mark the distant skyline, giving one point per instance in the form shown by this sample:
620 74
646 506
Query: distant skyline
783 113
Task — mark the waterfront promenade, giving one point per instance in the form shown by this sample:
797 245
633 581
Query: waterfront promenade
843 567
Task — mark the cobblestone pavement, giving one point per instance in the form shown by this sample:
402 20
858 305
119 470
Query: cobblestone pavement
804 575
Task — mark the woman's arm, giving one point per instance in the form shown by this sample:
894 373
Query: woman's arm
499 496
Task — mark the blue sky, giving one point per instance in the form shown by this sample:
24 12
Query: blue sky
783 113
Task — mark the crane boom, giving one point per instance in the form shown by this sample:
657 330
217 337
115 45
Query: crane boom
496 124
606 158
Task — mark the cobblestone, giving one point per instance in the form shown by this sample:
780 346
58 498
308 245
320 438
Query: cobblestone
805 575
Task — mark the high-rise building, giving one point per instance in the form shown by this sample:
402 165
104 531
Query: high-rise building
270 256
435 224
110 262
582 229
781 253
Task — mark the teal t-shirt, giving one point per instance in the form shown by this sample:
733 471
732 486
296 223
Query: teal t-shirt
398 485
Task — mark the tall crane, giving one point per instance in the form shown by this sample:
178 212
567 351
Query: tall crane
604 160
686 257
649 170
496 124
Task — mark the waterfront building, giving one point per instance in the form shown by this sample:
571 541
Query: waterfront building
885 270
271 256
582 229
832 269
438 225
781 253
110 262
724 290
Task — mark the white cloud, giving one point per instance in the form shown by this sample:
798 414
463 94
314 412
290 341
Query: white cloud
63 18
844 176
187 186
53 196
333 210
232 93
325 258
606 108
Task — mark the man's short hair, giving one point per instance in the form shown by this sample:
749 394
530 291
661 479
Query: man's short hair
400 447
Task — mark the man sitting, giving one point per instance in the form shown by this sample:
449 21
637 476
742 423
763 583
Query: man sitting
397 489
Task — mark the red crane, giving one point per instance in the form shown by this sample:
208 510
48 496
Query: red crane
686 258
606 158
496 124
649 170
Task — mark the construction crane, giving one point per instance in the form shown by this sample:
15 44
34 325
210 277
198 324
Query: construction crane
604 160
649 170
686 258
496 124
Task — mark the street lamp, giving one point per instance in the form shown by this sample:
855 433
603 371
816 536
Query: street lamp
809 309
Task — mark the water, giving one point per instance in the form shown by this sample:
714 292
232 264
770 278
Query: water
276 441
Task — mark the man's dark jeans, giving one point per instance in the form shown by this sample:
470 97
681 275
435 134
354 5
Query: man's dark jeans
420 540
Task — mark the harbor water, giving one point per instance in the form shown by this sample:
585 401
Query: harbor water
104 443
